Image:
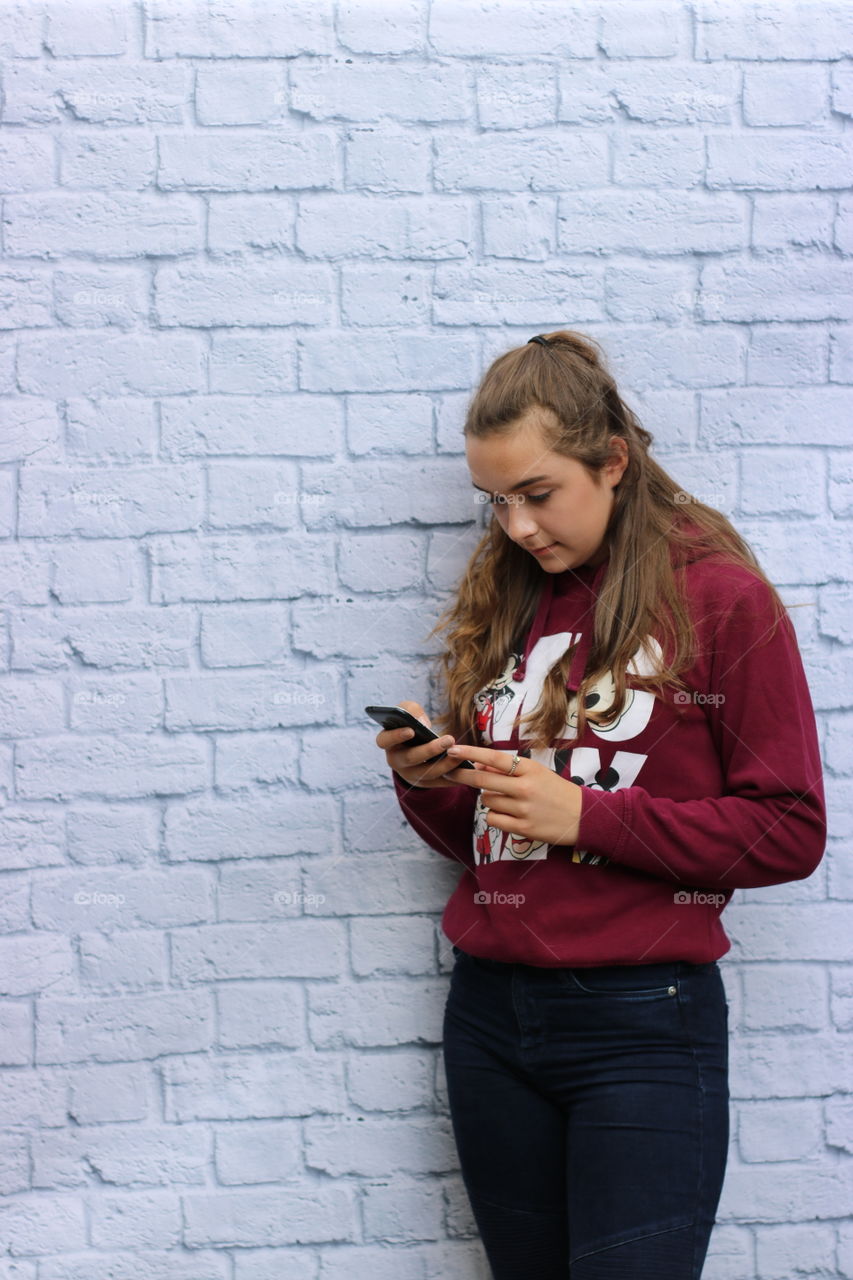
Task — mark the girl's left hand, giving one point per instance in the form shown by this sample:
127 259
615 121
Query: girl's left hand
535 802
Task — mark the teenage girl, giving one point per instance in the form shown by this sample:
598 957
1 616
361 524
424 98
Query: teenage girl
629 687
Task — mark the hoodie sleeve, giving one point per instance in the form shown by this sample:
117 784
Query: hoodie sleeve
769 826
442 816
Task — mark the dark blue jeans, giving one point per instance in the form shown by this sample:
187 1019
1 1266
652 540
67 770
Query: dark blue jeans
590 1108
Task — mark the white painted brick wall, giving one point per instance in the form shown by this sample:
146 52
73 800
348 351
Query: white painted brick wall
255 256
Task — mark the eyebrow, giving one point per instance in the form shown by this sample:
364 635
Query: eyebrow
522 484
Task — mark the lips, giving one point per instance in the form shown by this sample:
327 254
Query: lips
538 551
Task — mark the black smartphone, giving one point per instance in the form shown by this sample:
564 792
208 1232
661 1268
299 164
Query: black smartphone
400 718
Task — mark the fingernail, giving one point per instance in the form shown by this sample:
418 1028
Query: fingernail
454 751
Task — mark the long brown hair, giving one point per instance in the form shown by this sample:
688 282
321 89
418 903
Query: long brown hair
650 535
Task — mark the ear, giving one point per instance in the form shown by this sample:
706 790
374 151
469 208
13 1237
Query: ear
614 469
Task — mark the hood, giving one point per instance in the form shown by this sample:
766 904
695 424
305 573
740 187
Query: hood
586 579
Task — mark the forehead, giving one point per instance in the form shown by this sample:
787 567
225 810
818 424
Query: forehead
504 458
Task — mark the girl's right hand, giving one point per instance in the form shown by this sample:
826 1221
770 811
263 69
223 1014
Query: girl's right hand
413 763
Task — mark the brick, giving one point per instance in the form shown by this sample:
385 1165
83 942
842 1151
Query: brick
371 1147
206 294
519 227
774 1065
546 161
364 27
121 1155
503 27
639 30
509 98
253 93
671 158
390 945
247 1153
761 415
246 425
373 91
381 159
107 160
688 93
125 502
26 298
43 1224
249 567
92 433
254 1087
659 222
785 355
782 482
794 162
791 1249
136 1220
265 1218
62 767
260 1015
146 1264
840 484
376 1014
30 837
784 95
110 1093
249 362
124 92
119 899
242 223
792 997
402 1213
516 295
229 31
125 225
386 294
294 949
123 1028
16 1033
773 29
212 830
396 1081
237 162
802 219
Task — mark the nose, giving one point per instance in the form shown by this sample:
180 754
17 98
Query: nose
520 523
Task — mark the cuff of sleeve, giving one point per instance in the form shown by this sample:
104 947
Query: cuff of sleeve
603 822
440 795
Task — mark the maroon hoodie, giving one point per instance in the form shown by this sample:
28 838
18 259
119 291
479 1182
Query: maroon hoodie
685 798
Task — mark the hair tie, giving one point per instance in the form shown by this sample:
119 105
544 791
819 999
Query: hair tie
539 338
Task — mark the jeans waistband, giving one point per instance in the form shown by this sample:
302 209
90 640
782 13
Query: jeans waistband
662 968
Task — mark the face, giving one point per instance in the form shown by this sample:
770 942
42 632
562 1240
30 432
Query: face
560 519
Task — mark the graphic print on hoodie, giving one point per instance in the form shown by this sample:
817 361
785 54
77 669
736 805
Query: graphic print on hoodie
499 707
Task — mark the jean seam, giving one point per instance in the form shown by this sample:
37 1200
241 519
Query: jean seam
641 1235
534 1213
701 1126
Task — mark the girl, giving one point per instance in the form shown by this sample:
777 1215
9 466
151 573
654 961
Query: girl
629 687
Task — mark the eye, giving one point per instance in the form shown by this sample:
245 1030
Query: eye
501 500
